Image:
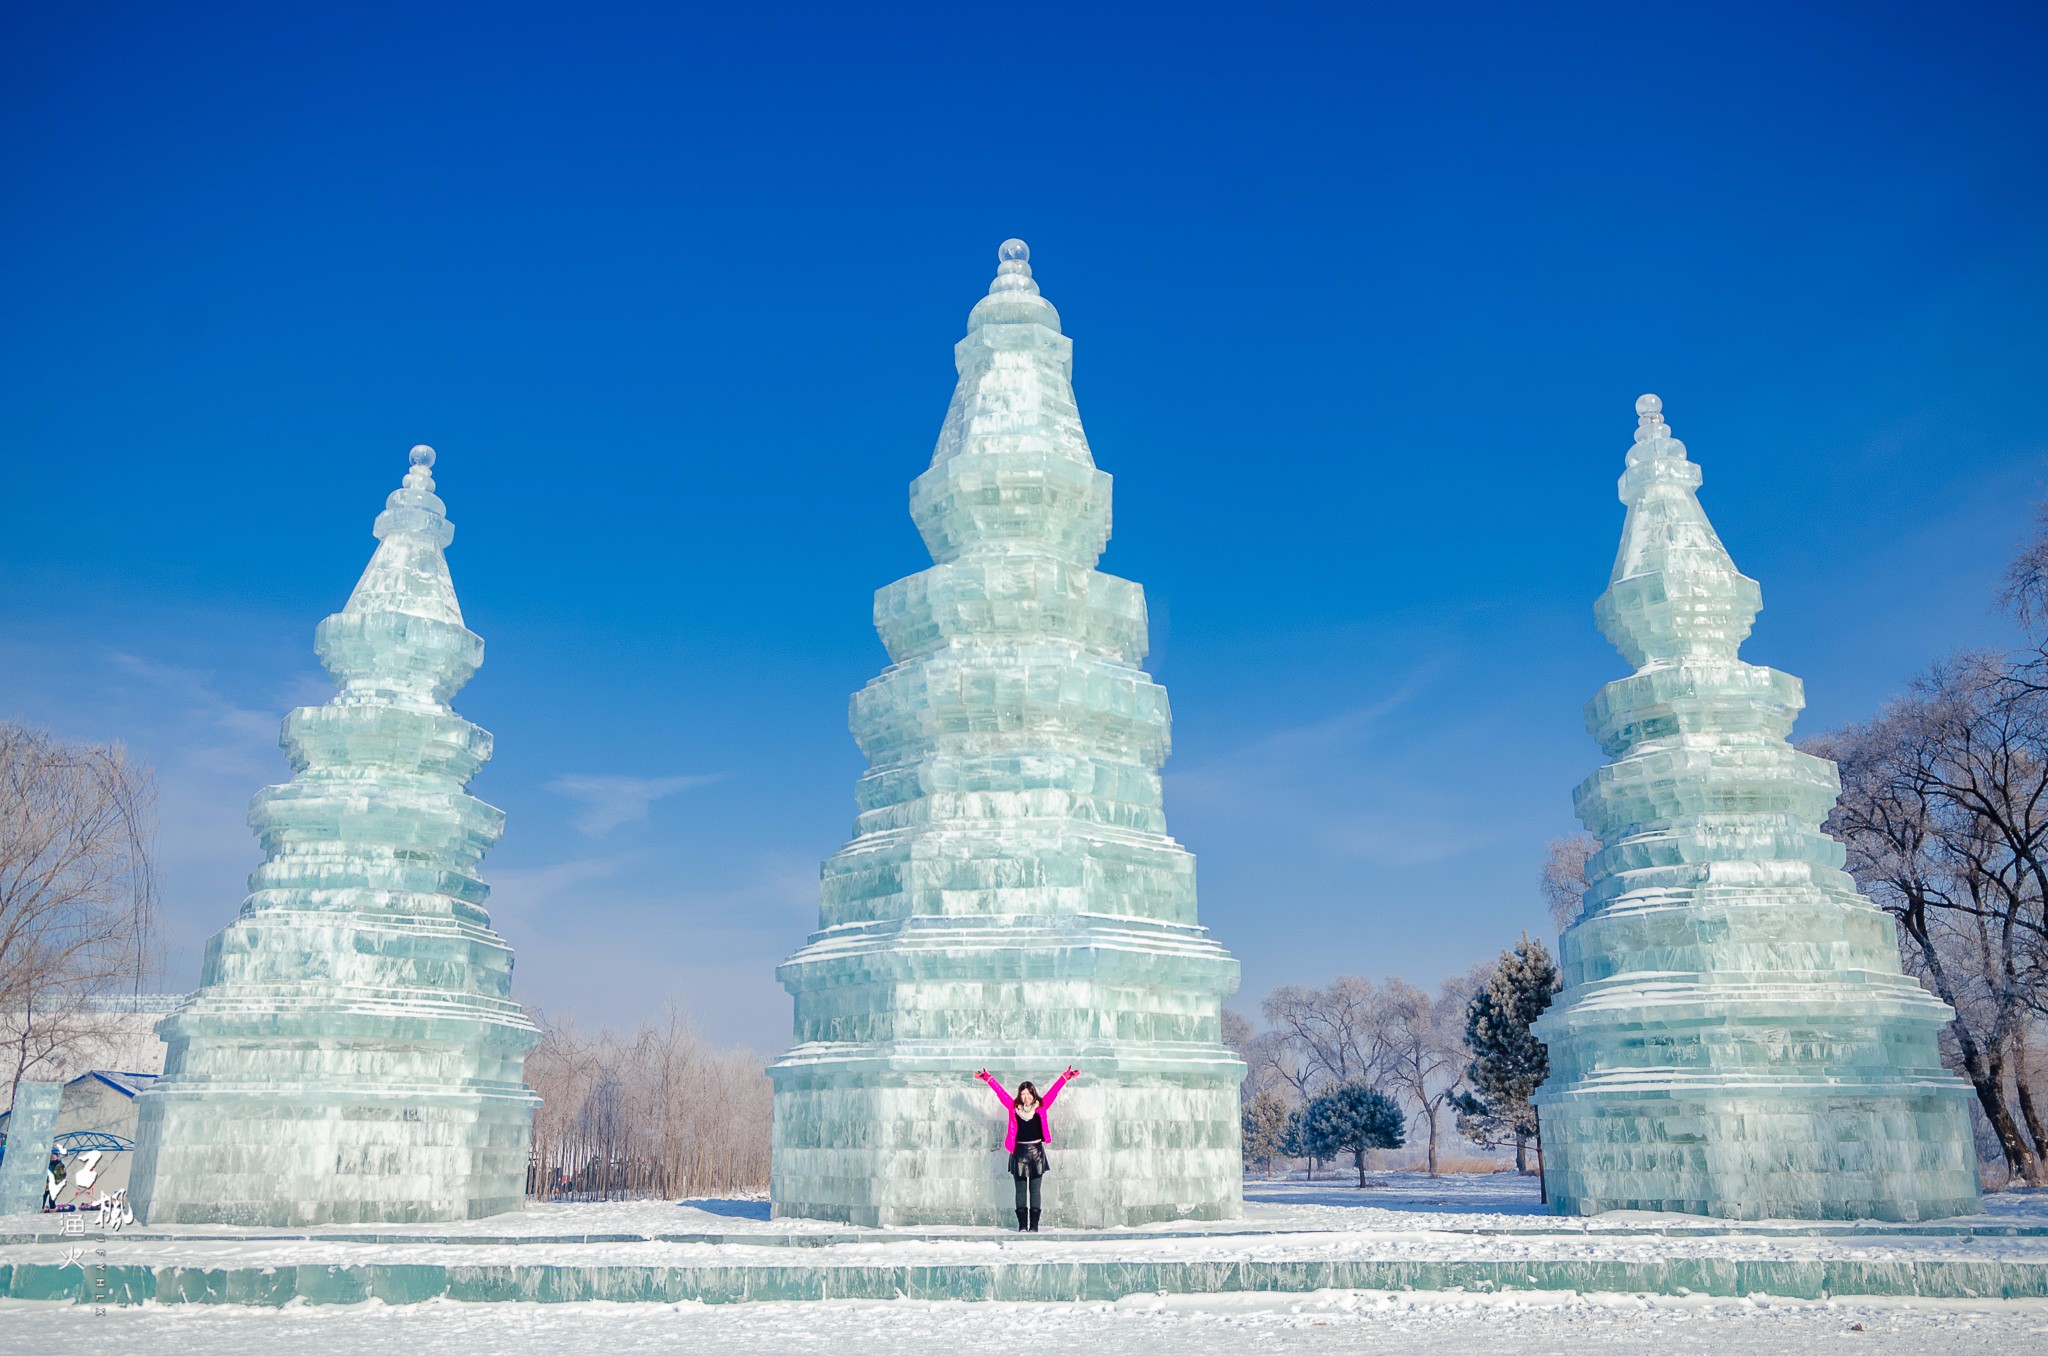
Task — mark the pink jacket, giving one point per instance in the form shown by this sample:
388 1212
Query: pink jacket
1010 1105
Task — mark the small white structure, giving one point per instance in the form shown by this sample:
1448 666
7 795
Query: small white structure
95 1132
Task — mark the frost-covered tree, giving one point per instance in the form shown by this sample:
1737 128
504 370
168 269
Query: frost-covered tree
77 896
1349 1118
1563 881
1944 813
1266 1118
1421 1045
1321 1036
1508 1062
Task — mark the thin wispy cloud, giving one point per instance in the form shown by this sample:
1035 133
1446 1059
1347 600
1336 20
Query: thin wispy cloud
521 893
1280 749
202 706
1281 761
598 936
1364 785
611 801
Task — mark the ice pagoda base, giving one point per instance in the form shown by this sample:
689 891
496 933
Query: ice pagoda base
1771 1152
336 1157
918 1148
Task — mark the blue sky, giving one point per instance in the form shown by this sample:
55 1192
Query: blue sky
1361 302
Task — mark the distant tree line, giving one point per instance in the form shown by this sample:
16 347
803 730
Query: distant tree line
656 1113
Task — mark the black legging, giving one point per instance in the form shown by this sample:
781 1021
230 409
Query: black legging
1028 1181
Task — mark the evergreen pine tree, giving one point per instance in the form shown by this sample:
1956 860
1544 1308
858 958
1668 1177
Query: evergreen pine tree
1508 1062
1350 1118
1294 1139
1266 1119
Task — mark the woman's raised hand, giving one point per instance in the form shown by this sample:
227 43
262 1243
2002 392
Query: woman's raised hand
1071 1072
982 1075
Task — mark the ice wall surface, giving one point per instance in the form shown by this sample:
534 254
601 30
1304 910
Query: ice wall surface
31 1127
1010 897
354 1052
1735 1036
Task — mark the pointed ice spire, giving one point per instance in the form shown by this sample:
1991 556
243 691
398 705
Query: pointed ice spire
1675 591
1011 892
1735 1036
408 573
401 632
1012 469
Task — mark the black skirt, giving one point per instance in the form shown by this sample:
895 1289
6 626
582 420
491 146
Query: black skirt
1028 1160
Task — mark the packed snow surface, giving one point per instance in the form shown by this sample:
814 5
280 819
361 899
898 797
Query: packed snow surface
1217 1325
1402 1215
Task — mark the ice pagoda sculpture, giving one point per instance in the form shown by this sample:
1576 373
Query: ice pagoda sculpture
1010 897
1734 1036
353 1053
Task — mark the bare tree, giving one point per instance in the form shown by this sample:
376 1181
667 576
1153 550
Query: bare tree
1324 1035
2025 589
1242 1038
1422 1051
1280 1065
1944 812
77 894
1564 877
1352 1032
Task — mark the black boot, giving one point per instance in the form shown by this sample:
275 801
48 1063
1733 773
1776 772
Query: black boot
1021 1226
1034 1221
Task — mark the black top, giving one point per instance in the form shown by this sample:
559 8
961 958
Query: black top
1031 1127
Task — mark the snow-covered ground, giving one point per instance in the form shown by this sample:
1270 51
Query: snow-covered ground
1402 1216
1401 1203
1216 1325
1405 1216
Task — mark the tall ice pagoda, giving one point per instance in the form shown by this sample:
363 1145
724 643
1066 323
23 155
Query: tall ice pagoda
1734 1036
1010 898
354 1053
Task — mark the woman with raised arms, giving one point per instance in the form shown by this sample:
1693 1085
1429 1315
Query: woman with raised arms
1028 1135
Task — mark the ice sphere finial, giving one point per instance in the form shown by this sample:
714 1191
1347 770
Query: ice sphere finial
1650 419
1013 298
1013 274
414 506
421 474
